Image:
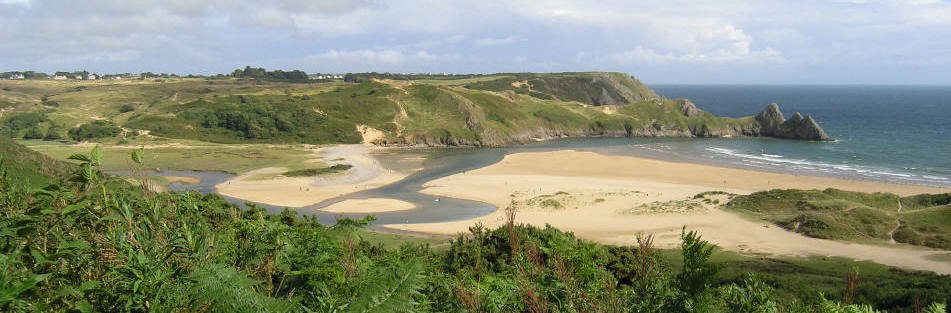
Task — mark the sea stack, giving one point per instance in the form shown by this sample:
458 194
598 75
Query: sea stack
773 124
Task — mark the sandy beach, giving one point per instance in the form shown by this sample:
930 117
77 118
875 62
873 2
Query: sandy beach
294 192
372 205
611 198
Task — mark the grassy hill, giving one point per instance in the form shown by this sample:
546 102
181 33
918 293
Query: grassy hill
591 88
923 220
480 110
34 168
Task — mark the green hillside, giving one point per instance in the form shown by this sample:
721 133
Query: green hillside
480 110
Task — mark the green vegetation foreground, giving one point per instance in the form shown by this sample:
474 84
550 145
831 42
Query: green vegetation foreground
88 243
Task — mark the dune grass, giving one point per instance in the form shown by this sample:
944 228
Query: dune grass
853 216
333 169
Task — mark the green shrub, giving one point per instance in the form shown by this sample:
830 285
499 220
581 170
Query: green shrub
33 133
125 108
336 168
14 124
97 129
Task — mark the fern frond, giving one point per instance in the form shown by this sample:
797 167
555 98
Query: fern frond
219 288
936 308
391 290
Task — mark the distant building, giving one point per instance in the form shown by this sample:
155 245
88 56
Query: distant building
93 77
79 77
17 76
323 76
59 77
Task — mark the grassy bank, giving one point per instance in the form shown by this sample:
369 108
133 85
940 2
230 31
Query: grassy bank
191 155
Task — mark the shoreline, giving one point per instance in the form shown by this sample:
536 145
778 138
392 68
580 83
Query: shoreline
672 156
608 199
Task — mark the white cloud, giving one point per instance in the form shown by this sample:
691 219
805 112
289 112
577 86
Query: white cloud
435 35
388 57
715 57
380 60
489 41
22 2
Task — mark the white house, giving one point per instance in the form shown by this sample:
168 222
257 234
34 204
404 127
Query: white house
93 77
59 77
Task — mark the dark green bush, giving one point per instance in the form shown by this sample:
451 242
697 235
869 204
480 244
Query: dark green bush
94 130
125 108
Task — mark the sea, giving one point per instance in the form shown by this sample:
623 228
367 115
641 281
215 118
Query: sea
898 134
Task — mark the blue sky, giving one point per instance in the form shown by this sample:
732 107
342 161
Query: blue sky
697 42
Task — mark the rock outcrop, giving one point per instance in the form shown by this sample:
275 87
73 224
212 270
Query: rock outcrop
688 108
773 124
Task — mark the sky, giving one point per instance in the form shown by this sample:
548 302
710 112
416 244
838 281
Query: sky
660 42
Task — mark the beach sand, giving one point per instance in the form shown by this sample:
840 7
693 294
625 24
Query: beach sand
366 173
609 199
371 205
